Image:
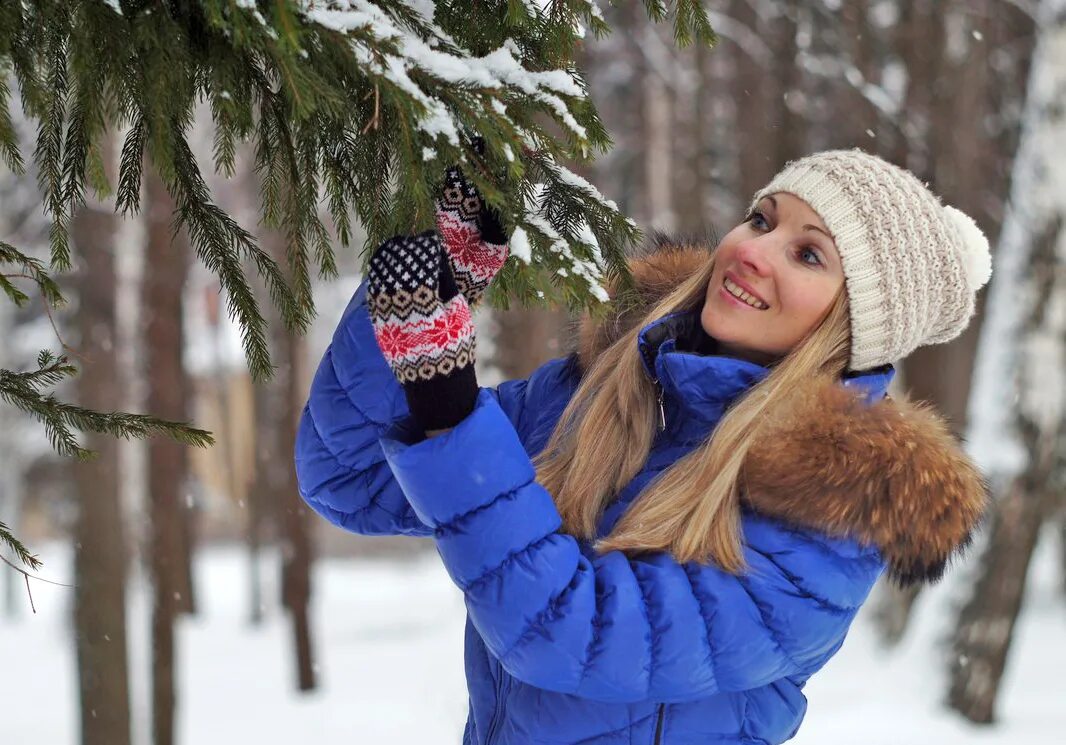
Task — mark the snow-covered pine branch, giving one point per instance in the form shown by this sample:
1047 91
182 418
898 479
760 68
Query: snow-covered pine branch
357 106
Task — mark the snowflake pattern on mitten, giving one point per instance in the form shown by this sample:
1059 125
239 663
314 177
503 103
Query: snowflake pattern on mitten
420 334
474 240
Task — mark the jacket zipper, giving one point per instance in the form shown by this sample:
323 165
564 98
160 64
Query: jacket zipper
662 410
498 713
659 725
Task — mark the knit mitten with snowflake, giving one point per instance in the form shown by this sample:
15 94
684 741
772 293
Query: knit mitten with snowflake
473 236
423 326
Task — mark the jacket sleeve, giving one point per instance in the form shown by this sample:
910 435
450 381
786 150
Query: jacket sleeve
341 471
611 627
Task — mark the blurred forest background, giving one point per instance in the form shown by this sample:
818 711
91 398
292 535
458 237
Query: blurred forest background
945 88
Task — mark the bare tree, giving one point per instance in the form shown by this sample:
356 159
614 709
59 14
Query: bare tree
274 497
167 258
11 472
100 552
296 554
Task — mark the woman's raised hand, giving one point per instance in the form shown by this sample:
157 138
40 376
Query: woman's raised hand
423 327
474 238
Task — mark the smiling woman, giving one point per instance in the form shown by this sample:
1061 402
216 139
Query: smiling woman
662 536
780 263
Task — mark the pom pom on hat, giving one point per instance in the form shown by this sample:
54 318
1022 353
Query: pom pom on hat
977 259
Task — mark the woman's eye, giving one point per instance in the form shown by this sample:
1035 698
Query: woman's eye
809 252
758 220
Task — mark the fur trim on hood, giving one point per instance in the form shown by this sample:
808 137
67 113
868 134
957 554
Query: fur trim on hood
889 474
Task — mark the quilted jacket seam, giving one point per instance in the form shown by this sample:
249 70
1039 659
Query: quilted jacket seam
334 455
509 558
645 606
552 604
706 623
597 633
348 391
508 494
794 581
375 496
773 634
628 727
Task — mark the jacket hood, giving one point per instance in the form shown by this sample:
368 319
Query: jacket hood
888 473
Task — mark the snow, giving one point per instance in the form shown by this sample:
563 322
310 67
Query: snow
497 70
590 271
388 639
519 245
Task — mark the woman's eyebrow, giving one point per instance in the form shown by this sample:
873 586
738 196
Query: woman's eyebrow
805 227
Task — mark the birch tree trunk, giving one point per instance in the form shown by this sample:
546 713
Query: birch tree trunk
1022 356
100 553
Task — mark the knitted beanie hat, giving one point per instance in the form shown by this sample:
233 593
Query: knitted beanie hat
911 265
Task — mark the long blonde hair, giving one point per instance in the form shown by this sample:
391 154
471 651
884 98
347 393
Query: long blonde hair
692 509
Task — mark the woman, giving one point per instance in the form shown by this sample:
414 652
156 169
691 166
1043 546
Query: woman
719 476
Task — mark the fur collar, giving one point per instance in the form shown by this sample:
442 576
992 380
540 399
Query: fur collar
889 474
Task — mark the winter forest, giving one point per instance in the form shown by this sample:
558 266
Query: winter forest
189 195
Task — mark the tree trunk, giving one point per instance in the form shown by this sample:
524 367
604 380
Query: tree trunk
789 131
278 404
1062 542
260 502
100 554
960 166
525 339
11 473
892 612
986 623
11 495
296 556
756 163
162 284
691 114
658 131
1024 350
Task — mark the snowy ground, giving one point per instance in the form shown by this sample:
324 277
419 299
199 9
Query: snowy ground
389 642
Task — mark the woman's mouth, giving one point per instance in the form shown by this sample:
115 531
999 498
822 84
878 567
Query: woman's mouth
738 295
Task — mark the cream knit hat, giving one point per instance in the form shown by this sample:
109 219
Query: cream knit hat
911 265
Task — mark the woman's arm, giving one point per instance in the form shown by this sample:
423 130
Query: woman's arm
610 627
354 398
341 470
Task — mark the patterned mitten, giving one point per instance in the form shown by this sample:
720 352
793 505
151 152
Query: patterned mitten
422 325
473 237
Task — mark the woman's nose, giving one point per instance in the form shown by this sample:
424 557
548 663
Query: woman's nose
752 253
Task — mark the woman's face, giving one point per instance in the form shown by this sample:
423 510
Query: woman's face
786 263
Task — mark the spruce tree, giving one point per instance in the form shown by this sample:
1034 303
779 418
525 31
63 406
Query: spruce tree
352 106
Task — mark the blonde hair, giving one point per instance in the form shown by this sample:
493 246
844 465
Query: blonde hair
692 509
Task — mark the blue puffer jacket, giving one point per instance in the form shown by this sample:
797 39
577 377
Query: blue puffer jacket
564 645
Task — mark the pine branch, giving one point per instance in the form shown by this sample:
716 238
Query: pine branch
61 420
20 551
9 151
32 269
380 87
357 106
